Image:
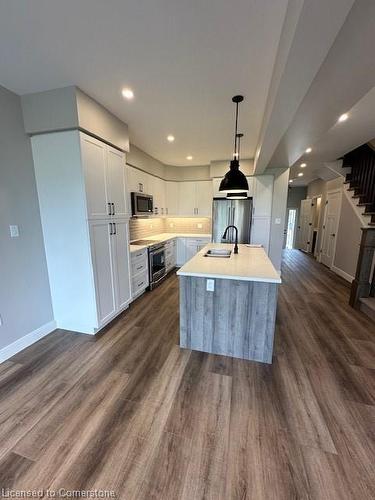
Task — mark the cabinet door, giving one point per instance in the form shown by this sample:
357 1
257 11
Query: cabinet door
204 196
215 186
262 192
138 181
103 266
159 196
191 248
181 251
260 232
94 160
116 181
121 263
171 193
187 198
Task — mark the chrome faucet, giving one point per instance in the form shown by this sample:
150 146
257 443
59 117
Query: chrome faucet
235 250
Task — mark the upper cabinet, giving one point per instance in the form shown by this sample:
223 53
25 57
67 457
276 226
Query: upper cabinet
171 197
104 173
195 198
138 181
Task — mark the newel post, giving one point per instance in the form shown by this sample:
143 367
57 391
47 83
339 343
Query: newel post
361 284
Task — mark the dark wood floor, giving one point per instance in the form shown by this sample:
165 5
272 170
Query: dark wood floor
133 413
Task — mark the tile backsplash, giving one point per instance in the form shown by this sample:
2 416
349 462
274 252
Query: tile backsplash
141 228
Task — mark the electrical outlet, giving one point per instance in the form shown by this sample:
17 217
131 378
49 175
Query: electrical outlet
277 220
210 285
199 226
14 232
171 224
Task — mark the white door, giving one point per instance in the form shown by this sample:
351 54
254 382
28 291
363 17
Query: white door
94 160
330 225
306 229
116 182
191 248
103 266
181 251
171 193
158 192
204 196
186 198
120 240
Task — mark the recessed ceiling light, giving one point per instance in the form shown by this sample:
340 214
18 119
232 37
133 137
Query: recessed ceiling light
127 93
189 157
300 174
291 180
303 165
170 138
308 150
343 118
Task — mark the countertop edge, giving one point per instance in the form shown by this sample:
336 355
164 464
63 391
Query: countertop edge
229 277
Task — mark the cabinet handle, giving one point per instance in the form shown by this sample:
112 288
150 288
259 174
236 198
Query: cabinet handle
138 268
141 283
115 230
110 228
109 209
113 209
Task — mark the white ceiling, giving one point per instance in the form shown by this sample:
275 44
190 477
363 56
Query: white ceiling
184 59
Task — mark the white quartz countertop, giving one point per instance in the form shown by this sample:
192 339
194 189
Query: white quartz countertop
250 264
168 236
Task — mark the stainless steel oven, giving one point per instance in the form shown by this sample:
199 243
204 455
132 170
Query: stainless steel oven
142 204
156 264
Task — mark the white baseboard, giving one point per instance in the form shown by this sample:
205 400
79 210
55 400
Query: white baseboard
342 273
25 341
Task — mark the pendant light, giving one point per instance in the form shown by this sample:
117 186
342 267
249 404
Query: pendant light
234 180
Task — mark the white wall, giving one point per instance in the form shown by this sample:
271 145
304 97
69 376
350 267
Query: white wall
279 203
25 300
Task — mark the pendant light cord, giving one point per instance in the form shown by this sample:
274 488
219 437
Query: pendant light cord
235 133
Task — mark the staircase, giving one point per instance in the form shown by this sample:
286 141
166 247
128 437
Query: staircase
361 180
360 183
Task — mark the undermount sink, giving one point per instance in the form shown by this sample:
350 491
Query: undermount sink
218 252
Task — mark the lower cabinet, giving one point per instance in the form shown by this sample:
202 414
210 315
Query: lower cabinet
170 254
260 232
188 247
139 272
110 260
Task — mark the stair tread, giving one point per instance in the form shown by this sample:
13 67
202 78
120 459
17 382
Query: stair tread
369 301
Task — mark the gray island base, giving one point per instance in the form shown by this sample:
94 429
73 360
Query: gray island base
237 318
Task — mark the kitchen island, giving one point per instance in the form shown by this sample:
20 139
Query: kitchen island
228 305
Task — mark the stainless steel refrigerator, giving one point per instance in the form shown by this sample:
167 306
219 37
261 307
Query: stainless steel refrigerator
231 212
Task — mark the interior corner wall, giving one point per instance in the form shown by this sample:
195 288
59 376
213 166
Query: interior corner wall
139 159
279 204
25 299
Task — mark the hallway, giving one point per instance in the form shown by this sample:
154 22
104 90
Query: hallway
158 422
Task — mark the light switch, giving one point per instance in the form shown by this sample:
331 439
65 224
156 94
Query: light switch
277 220
199 226
210 285
14 232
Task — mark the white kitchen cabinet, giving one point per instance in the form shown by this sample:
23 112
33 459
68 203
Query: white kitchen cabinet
186 198
195 198
104 178
158 192
170 254
138 181
260 231
188 247
203 198
103 267
171 195
120 240
110 257
139 272
262 195
87 256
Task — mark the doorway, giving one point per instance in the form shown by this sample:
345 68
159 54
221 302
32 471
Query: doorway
291 228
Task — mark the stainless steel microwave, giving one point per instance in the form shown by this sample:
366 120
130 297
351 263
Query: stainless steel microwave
142 204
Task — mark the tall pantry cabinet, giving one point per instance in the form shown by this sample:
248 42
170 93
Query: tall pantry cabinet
82 196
